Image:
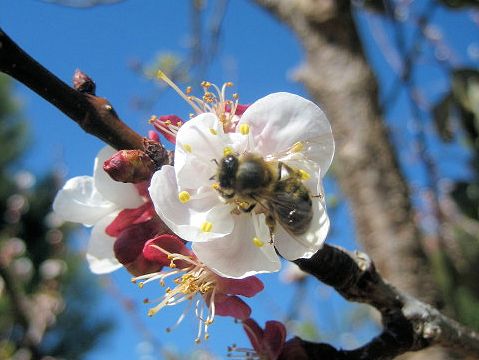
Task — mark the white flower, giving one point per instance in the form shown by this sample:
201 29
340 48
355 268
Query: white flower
280 126
96 201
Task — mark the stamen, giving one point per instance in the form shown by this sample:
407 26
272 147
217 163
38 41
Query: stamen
215 186
206 227
184 196
244 129
228 150
257 242
209 97
187 148
304 175
297 147
162 76
213 131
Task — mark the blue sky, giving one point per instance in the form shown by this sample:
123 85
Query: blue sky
257 53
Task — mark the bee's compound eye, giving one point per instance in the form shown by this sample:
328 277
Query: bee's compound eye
230 161
227 171
229 164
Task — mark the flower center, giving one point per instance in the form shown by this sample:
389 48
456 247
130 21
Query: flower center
213 100
189 282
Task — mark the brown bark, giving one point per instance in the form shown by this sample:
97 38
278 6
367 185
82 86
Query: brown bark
338 77
408 324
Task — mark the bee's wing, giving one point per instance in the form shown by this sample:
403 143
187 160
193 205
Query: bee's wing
290 205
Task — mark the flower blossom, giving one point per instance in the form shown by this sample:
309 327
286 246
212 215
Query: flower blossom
193 282
109 206
279 128
268 344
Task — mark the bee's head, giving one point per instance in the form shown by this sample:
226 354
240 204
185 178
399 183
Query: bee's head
228 168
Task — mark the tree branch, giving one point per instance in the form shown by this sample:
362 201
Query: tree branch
94 114
409 324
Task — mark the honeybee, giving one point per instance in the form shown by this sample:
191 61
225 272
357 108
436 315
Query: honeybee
247 180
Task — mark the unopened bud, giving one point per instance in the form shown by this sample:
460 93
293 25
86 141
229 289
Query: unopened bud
129 166
83 83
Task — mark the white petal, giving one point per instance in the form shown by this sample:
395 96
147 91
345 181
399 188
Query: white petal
100 255
199 143
279 120
187 219
79 201
235 255
124 195
305 245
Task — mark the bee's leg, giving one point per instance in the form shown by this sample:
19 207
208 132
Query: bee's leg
249 208
280 168
271 223
215 161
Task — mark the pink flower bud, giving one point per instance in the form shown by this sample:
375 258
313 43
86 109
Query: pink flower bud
129 166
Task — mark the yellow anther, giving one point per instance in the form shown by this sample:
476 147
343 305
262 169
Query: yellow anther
228 150
153 118
304 174
161 75
229 84
140 285
179 123
243 204
197 341
235 96
151 312
213 131
205 84
297 147
184 196
208 97
257 242
206 227
172 264
187 148
207 336
188 90
244 129
215 186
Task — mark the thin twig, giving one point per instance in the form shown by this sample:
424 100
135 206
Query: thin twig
94 114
